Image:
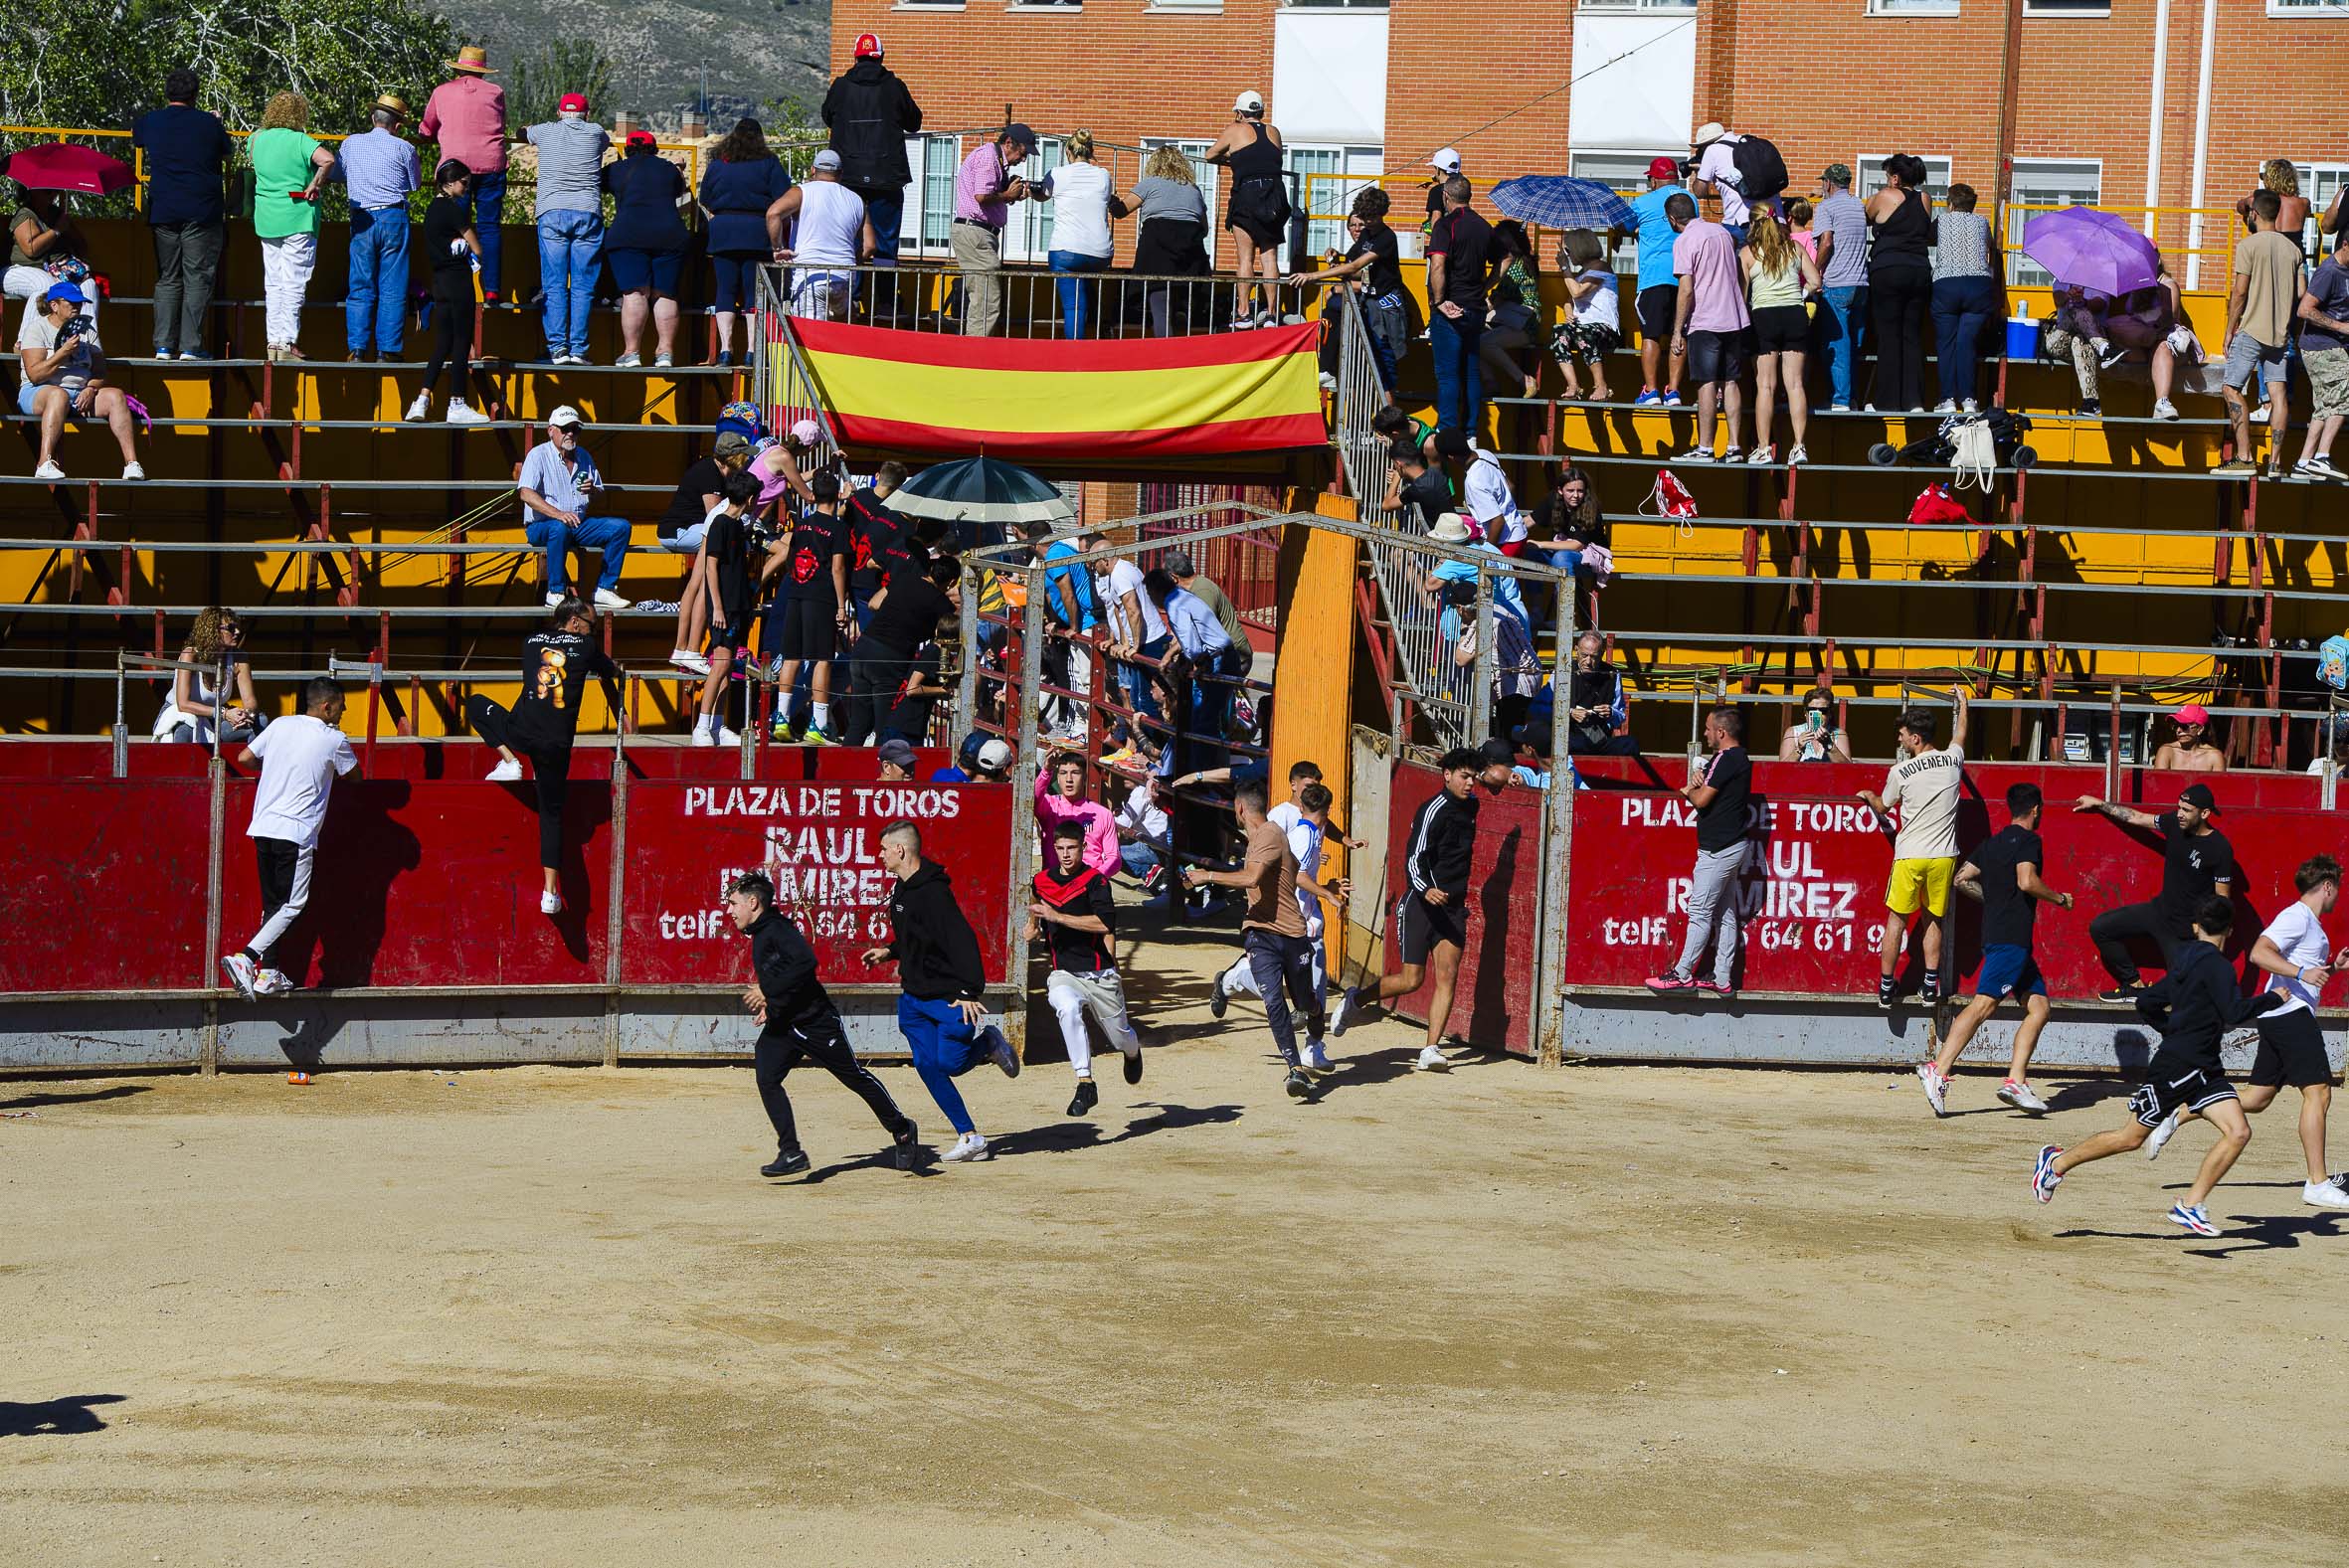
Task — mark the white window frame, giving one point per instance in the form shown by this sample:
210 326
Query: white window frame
2307 10
2022 271
928 5
1908 8
913 239
2066 10
1598 7
1028 230
1184 8
1360 165
2319 182
1337 5
1869 175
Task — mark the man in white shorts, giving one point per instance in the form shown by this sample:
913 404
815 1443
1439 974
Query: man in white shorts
1303 819
1073 911
298 758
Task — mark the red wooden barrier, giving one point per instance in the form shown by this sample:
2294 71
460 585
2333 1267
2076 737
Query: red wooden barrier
103 887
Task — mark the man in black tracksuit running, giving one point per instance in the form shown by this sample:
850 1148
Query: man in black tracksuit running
1431 917
799 1020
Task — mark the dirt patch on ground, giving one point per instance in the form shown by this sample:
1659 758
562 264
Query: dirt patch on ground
1598 1314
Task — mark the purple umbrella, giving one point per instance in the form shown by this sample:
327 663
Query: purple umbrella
2090 250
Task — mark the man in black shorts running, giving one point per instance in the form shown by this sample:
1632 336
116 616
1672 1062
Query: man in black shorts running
2197 863
2193 1006
1431 917
2298 956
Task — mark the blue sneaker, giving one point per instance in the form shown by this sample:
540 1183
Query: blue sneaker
1671 399
1650 399
2194 1219
2042 1174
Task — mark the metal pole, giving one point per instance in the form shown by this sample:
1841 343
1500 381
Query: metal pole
219 771
122 728
1480 700
1558 833
613 898
1024 819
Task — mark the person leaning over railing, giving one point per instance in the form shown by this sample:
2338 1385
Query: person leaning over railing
381 170
1373 276
570 210
65 373
742 180
1216 661
197 706
187 154
288 167
1173 241
829 234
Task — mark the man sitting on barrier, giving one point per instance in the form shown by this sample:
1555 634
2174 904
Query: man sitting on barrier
2197 864
558 483
543 723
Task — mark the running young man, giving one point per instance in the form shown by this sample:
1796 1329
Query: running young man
556 664
1075 912
2193 1005
299 758
1273 928
938 965
1431 916
1720 787
1924 783
1303 823
2002 874
2295 951
2197 864
797 1019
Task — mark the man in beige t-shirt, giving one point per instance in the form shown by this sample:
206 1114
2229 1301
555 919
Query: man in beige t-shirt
1273 931
2268 274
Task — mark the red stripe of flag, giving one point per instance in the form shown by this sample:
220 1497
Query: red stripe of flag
1277 434
1052 354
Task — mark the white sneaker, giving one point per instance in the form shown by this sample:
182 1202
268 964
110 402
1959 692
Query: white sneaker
702 736
628 362
662 362
970 1145
726 737
1762 456
2324 1195
550 903
134 469
2161 1135
1733 455
998 1045
49 471
421 410
689 662
2260 415
1315 1059
506 772
1945 406
552 600
242 972
1936 1088
1797 457
2018 1094
463 413
606 600
1328 382
1969 405
2164 409
1838 408
1342 1014
273 982
1702 454
1432 1060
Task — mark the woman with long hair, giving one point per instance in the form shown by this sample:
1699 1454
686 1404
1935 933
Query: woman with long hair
1257 215
1516 318
1173 241
742 180
1778 275
200 701
1079 191
288 166
1899 282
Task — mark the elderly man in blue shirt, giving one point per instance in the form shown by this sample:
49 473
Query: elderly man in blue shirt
558 482
380 167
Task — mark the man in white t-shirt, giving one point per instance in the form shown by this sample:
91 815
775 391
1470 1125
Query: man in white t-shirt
2298 954
830 234
1925 783
298 758
1146 834
1135 624
1484 495
1304 821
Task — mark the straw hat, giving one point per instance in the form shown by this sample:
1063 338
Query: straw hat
473 58
392 103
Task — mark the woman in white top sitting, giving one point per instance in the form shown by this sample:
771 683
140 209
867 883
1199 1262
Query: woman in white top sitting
1596 329
1079 191
831 235
195 707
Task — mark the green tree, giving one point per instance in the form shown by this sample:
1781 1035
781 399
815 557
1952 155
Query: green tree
563 66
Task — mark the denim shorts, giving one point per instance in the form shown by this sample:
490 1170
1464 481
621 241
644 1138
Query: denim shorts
2247 359
26 391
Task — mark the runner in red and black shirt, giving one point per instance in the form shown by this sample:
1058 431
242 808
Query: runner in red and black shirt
1075 914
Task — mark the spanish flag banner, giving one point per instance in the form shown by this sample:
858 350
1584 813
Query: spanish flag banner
1044 400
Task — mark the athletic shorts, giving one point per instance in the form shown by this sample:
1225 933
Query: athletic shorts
807 630
1657 306
2170 1083
1782 329
1921 881
1419 925
2009 969
733 637
2291 1051
1716 357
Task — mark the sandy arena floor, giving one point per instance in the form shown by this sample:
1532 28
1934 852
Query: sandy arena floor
1600 1314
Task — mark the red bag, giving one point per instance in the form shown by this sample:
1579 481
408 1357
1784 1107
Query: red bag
1934 504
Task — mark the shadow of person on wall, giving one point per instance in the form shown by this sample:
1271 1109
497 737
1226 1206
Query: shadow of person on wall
55 1418
584 810
364 849
1498 993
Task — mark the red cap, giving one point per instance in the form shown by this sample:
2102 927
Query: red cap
572 103
868 43
1662 169
642 138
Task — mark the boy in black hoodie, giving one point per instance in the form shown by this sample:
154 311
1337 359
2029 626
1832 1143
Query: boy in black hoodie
1432 914
798 1020
937 955
2193 1005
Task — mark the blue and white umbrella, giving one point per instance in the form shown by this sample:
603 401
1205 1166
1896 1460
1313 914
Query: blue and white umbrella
1559 201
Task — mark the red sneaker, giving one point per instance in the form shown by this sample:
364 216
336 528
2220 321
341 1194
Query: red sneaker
1666 984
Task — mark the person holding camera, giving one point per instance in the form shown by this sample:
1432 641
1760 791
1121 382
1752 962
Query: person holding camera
65 373
1816 737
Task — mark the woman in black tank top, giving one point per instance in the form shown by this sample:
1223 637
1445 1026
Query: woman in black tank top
1900 281
1258 212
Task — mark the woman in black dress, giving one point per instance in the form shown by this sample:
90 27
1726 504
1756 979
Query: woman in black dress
1258 212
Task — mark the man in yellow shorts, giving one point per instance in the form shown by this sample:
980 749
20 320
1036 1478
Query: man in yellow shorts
1924 783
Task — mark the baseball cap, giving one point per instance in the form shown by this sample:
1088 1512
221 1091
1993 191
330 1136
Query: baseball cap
827 159
732 444
806 433
995 755
1497 754
66 291
572 103
567 416
1710 132
2196 795
2192 713
1663 168
897 752
1837 174
1018 132
1446 159
642 138
868 43
1249 102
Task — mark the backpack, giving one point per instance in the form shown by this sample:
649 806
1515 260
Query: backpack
1761 172
2332 662
1669 498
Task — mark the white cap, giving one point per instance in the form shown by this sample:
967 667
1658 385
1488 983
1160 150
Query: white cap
806 433
565 415
1446 159
827 159
995 755
1249 102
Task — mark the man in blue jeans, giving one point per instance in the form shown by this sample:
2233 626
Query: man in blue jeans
938 965
1841 224
1459 249
571 150
557 484
381 169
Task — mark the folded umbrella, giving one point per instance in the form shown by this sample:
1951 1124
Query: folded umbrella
2087 248
1559 201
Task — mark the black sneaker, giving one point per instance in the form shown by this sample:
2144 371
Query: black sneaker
2121 993
1134 1067
2090 406
788 1162
1886 989
1085 1099
905 1150
1299 1086
1932 986
1216 1000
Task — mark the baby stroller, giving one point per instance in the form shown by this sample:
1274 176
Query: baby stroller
1975 445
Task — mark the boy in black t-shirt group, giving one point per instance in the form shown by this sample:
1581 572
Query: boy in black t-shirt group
727 546
808 619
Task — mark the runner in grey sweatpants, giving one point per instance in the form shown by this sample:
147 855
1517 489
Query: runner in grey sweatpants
1720 787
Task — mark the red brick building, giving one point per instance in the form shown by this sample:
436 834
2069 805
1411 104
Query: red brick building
2127 103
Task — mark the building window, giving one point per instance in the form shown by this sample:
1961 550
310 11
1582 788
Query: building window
1637 5
2045 185
2334 8
1913 7
1625 173
1335 5
930 199
1871 175
2067 7
1028 237
1045 5
929 5
2321 183
1324 181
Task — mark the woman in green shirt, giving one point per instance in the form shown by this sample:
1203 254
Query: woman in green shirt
288 166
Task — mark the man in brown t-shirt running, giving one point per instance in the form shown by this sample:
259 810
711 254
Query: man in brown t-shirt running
1273 931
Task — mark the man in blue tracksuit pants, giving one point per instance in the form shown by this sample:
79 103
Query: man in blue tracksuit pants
937 955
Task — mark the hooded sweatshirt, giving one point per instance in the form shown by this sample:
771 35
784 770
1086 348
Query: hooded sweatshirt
937 952
786 968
